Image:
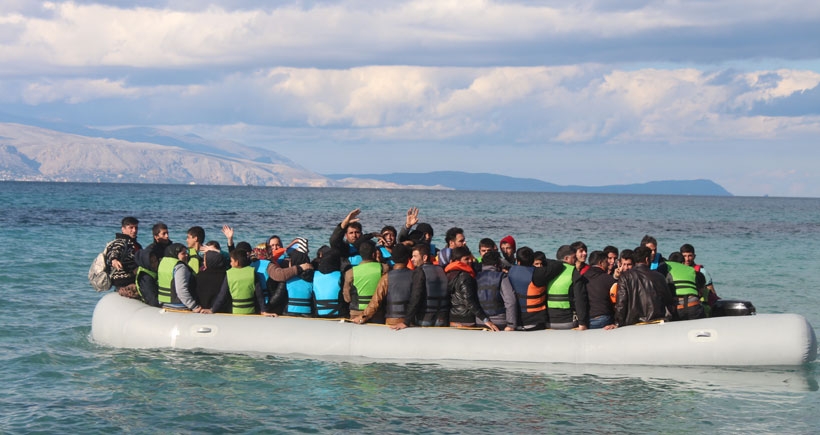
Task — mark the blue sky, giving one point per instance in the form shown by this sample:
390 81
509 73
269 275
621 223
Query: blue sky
570 92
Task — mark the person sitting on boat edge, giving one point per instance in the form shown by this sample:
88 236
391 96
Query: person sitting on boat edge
688 252
567 303
644 295
495 293
392 296
599 286
532 308
690 287
241 285
429 296
120 258
464 305
327 285
175 279
360 281
146 280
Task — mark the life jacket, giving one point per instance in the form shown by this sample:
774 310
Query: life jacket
261 267
353 255
365 279
299 295
387 256
241 284
531 298
438 297
656 261
489 292
326 290
684 278
399 282
165 281
141 270
558 289
194 262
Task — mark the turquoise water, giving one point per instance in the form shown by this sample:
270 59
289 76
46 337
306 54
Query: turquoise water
56 380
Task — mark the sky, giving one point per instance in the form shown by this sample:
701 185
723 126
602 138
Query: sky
569 92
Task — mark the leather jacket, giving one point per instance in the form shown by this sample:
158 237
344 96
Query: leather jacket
643 296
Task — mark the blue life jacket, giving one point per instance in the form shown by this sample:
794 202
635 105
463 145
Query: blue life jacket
327 289
299 296
489 292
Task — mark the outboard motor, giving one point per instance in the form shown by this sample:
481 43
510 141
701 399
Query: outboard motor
731 307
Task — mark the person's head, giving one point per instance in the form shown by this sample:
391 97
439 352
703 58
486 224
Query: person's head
524 256
213 244
491 259
196 237
160 233
580 249
353 232
688 252
485 245
177 250
455 237
650 242
539 259
611 256
239 258
462 254
677 257
400 254
427 230
331 261
214 261
388 234
421 254
598 258
245 246
642 255
130 226
274 242
566 254
367 249
627 261
507 246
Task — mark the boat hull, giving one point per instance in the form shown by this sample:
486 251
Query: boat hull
760 340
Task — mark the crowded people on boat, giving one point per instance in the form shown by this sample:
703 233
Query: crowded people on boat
394 278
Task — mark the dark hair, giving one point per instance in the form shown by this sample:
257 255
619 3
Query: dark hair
612 249
213 243
649 239
174 249
425 228
642 253
578 245
357 225
241 257
596 258
400 254
130 220
245 246
539 255
367 249
525 256
486 243
451 234
198 233
677 257
460 252
390 228
564 251
159 226
628 253
423 249
492 258
686 248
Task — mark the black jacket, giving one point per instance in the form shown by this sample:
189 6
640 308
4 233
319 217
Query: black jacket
464 304
598 284
643 295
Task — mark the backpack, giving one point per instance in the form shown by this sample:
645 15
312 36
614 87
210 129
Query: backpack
99 274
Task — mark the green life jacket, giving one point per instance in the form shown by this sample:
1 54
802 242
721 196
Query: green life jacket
140 270
241 284
684 278
165 281
558 289
193 260
365 280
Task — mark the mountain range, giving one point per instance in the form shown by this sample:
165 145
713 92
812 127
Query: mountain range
150 155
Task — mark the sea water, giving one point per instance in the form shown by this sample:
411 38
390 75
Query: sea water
56 380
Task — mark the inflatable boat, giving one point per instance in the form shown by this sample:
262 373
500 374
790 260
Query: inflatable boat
755 340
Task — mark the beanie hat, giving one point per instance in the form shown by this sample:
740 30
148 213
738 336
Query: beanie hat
300 245
508 239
